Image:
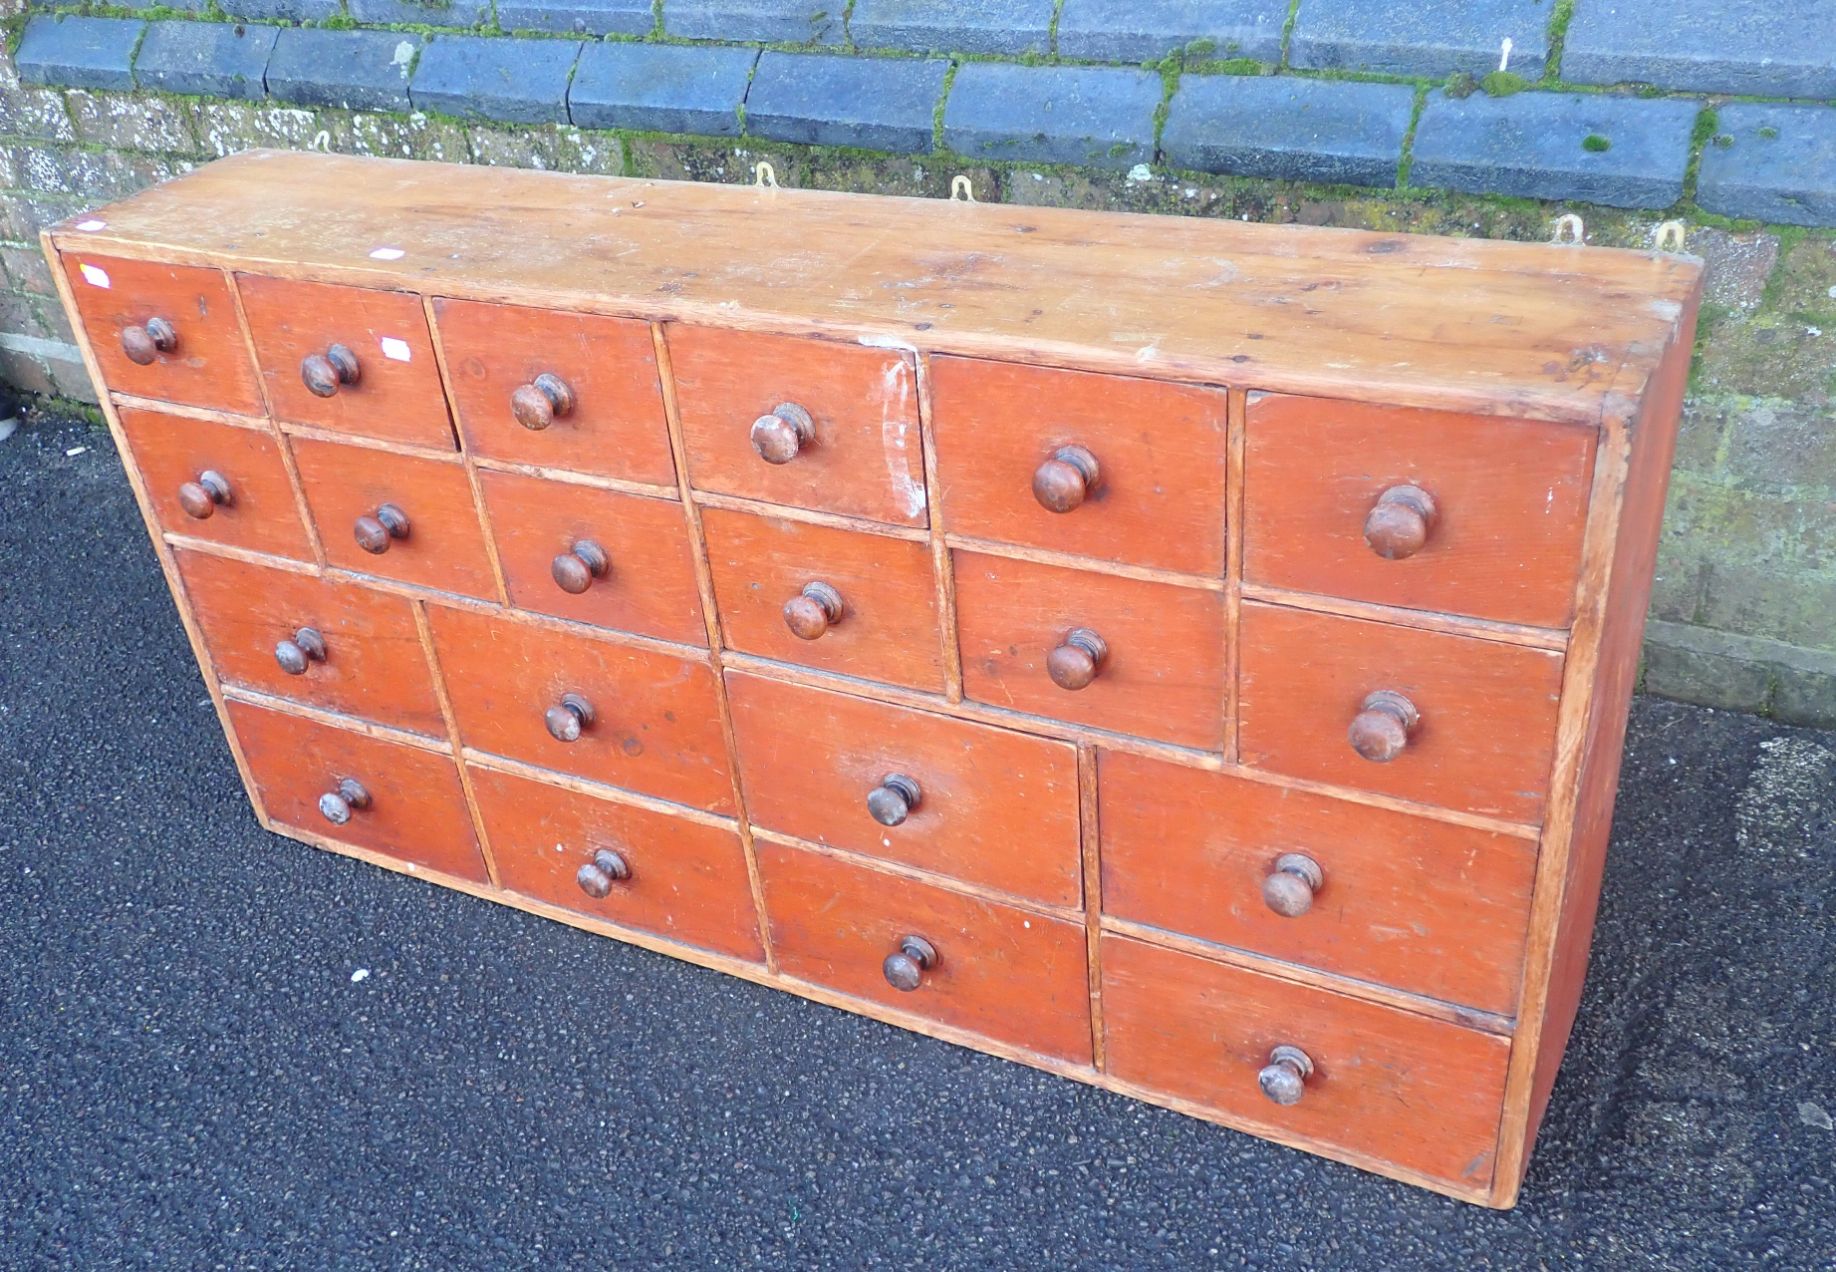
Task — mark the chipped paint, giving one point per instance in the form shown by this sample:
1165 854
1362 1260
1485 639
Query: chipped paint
895 426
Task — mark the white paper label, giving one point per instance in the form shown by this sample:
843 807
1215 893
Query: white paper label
387 254
397 350
91 227
95 277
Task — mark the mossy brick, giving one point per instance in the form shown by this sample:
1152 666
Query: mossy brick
511 80
1774 443
1700 431
1008 27
24 213
823 100
1793 606
31 112
79 52
1763 528
769 21
670 88
1804 695
92 174
218 59
1289 128
1147 30
354 70
577 17
1736 265
26 271
1704 678
1423 37
1770 355
415 136
1805 281
1535 145
282 10
1097 115
224 128
1777 163
1714 46
446 13
132 121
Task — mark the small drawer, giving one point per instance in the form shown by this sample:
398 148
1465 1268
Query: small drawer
858 604
164 331
1154 669
595 556
1465 514
410 518
674 878
1421 1094
387 797
1465 723
572 391
1097 465
331 645
848 441
578 704
217 482
988 806
347 358
1402 901
992 969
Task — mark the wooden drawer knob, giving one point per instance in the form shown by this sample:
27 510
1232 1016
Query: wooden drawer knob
325 372
905 967
893 800
779 437
1076 662
598 875
1063 481
1288 890
336 806
537 403
201 498
1381 730
575 569
296 655
375 532
144 344
1284 1078
1400 523
566 719
813 611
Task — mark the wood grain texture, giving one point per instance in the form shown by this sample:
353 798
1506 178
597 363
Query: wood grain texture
261 513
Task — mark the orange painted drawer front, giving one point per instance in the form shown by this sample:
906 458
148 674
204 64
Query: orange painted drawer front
1485 736
394 392
349 489
164 331
999 971
411 805
367 660
1508 502
628 556
1156 453
217 482
604 417
1401 901
684 881
863 457
655 724
1422 1095
886 627
1162 674
994 808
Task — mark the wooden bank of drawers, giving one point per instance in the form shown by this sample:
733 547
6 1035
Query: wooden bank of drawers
1166 665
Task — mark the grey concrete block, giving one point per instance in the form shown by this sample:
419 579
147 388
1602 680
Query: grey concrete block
446 13
219 59
1716 46
1706 678
1424 37
353 70
1772 163
824 100
1289 128
1804 695
1097 115
1626 152
577 17
79 52
668 88
776 21
953 26
1144 30
282 10
473 77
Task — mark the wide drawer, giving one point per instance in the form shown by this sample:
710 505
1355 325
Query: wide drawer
1403 901
998 970
387 797
603 711
217 482
1464 514
1315 688
331 645
984 805
675 878
1419 1094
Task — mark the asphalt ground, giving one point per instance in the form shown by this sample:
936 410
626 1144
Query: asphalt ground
193 1075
